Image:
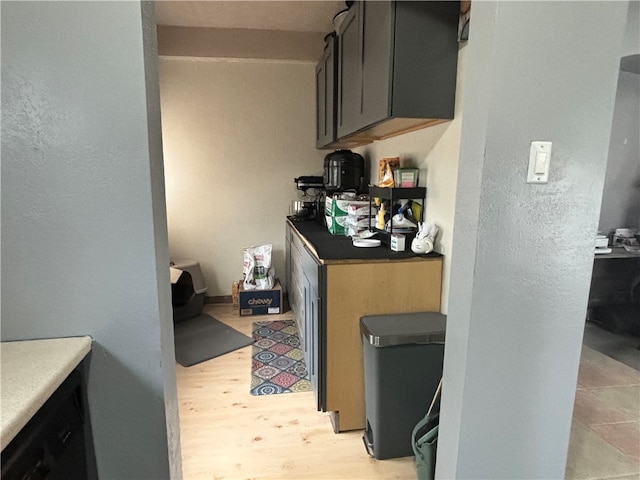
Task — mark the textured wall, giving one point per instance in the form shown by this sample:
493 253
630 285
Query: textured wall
84 244
522 253
236 133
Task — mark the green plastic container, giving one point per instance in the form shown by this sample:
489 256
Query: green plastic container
406 177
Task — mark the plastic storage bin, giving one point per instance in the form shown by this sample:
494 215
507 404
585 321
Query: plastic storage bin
403 355
188 289
406 177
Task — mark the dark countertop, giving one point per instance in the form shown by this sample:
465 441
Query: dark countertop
617 252
339 247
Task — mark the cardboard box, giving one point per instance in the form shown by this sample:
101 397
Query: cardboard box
260 302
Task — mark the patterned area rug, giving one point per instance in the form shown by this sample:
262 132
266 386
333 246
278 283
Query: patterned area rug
277 360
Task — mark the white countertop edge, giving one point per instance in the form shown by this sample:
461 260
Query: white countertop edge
31 370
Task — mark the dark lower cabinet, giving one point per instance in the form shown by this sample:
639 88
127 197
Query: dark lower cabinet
52 445
312 324
312 273
304 287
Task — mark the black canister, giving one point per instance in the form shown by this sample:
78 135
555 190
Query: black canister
344 170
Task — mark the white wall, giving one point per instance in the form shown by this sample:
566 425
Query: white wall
84 244
236 133
435 151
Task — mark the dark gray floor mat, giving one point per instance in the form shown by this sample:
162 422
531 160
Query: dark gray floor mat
621 347
203 337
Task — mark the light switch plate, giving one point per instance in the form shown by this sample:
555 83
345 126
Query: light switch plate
539 160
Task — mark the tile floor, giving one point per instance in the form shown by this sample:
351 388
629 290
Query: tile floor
605 434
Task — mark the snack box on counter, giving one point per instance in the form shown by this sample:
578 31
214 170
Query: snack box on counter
337 209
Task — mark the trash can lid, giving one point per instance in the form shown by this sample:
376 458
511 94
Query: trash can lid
404 328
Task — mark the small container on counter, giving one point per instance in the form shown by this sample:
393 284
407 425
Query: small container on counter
406 177
398 242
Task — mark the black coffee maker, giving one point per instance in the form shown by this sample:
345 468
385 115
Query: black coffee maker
344 171
308 207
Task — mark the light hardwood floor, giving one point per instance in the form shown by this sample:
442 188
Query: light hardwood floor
227 433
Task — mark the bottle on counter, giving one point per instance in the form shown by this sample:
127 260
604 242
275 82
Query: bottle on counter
381 214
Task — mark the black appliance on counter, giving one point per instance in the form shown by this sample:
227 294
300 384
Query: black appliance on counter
344 170
305 183
311 204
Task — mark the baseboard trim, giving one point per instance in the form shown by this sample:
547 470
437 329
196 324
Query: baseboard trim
219 299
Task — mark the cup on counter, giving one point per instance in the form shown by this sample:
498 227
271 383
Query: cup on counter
421 245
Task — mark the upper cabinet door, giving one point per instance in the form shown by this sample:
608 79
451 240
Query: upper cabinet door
326 94
425 59
365 53
376 61
321 105
331 76
349 71
397 63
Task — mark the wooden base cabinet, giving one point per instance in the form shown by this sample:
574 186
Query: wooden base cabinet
328 298
353 291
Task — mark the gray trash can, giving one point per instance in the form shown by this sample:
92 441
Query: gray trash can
403 355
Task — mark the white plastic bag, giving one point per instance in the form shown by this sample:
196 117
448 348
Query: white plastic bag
257 270
400 221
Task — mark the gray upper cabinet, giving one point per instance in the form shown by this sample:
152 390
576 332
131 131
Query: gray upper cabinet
397 64
376 62
326 74
349 72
